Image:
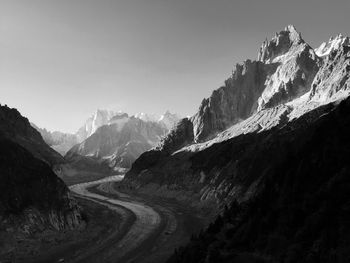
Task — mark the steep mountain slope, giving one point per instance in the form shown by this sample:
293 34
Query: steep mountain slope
17 128
290 187
272 144
59 141
32 197
120 142
287 81
29 183
285 69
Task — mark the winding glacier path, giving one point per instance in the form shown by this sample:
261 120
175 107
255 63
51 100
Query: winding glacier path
147 219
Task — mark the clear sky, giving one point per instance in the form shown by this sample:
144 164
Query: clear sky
61 60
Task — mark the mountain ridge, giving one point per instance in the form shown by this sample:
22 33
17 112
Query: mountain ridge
289 68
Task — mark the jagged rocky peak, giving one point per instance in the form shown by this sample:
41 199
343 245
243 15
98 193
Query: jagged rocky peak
332 81
234 101
280 44
334 43
99 118
285 70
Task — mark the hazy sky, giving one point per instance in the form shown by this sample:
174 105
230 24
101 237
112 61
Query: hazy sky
61 60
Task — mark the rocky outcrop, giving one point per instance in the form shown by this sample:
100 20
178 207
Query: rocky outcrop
233 102
281 44
180 136
332 80
17 128
332 45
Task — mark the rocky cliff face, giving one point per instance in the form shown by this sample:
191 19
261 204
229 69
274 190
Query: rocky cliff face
17 128
285 69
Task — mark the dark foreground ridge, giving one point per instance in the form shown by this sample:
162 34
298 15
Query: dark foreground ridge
300 208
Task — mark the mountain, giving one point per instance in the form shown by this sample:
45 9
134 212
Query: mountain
63 142
119 142
59 141
99 118
286 82
32 197
15 127
332 45
147 117
169 120
288 188
270 145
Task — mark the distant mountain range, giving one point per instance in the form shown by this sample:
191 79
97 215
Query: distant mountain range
63 142
123 139
108 141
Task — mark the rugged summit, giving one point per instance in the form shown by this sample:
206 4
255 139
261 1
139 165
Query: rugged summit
271 145
288 81
285 69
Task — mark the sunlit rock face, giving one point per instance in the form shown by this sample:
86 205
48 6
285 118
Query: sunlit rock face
296 63
333 44
288 86
235 101
285 69
332 80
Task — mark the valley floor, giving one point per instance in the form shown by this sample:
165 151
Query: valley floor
123 227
